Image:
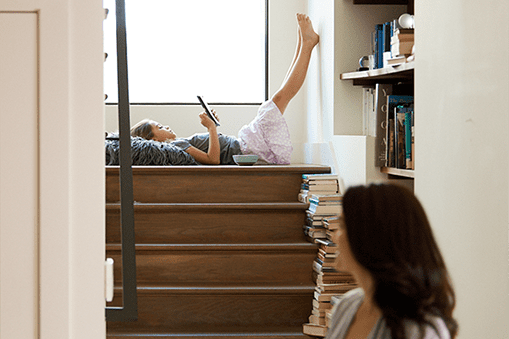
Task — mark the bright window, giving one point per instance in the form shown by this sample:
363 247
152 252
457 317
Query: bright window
178 49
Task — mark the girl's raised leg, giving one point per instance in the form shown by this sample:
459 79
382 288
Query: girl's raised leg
298 70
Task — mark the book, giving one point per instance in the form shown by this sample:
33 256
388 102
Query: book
318 216
336 288
400 140
322 296
326 188
325 209
390 143
327 197
404 135
380 46
314 319
402 48
381 93
403 31
314 232
396 61
313 182
409 122
321 305
368 112
393 101
314 330
402 38
319 176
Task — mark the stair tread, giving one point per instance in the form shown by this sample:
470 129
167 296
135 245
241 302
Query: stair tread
220 247
151 288
296 168
223 206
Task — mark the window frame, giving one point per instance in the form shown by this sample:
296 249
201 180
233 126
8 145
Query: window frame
216 103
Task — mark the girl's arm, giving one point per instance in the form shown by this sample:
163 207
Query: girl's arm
212 156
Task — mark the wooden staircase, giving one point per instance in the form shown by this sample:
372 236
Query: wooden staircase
220 252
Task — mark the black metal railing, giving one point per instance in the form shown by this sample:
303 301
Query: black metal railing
129 309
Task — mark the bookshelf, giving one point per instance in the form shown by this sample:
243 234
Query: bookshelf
403 73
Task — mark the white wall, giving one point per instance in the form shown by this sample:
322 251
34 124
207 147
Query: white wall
462 98
334 121
282 41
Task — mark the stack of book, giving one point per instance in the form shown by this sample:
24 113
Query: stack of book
400 132
330 282
402 43
318 184
321 206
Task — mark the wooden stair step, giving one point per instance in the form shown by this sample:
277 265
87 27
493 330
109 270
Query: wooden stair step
227 264
188 311
212 184
211 223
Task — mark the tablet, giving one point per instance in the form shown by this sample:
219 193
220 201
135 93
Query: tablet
208 110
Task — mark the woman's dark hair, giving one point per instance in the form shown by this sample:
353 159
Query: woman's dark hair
389 235
142 129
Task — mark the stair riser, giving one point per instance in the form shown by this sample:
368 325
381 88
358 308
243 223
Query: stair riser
209 336
221 268
218 313
216 187
211 226
258 335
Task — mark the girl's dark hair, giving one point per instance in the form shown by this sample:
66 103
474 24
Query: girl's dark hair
389 235
142 129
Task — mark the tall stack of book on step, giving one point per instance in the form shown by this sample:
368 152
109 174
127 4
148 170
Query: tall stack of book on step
321 192
322 223
318 184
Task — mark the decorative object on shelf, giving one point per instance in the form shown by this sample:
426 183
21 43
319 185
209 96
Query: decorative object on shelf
406 21
364 63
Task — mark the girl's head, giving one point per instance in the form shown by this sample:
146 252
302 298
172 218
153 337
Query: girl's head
152 130
389 235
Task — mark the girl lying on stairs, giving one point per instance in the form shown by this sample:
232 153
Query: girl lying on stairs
266 136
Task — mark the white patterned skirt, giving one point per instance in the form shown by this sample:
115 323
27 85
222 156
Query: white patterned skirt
267 136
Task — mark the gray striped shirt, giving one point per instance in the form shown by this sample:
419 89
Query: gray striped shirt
345 311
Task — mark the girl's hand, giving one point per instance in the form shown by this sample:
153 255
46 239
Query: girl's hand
206 121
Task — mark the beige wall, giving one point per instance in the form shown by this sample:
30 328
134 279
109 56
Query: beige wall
52 268
19 176
462 98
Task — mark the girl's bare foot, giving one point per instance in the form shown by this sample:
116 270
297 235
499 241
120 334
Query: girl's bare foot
306 30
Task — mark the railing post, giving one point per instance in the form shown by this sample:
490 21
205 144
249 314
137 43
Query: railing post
129 310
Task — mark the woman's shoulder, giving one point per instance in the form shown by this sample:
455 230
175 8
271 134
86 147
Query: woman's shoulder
437 329
349 299
356 293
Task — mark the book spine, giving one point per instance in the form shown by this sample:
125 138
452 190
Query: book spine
400 140
408 139
381 47
390 144
387 39
381 93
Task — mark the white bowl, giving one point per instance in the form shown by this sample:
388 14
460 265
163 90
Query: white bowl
245 160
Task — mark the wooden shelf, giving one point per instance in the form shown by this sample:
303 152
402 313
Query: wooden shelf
404 72
398 172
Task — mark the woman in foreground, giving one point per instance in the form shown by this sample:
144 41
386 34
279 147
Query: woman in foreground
386 242
266 136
